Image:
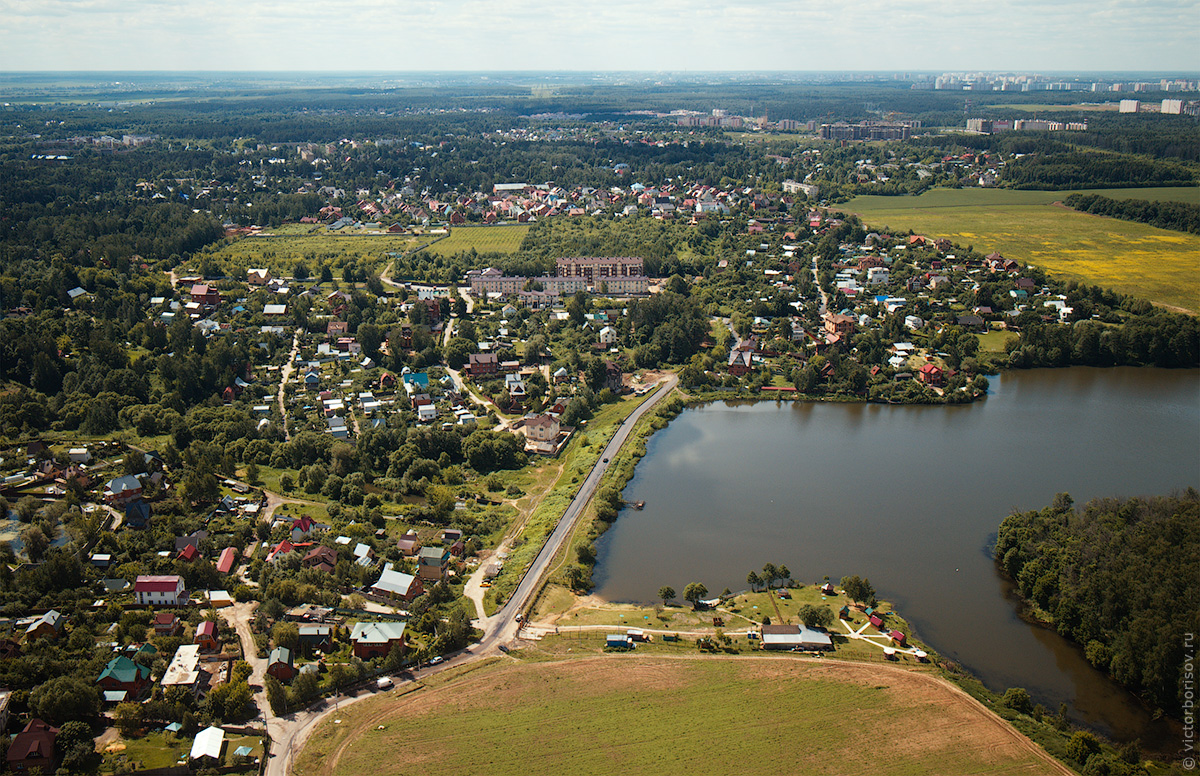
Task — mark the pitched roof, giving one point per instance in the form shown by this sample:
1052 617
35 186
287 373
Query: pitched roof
36 740
208 743
392 581
157 584
376 632
124 670
226 561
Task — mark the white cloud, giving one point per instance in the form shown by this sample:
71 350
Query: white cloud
615 35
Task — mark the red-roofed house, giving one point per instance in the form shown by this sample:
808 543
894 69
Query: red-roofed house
302 527
166 624
227 560
206 636
188 554
161 590
931 374
897 637
206 295
33 748
283 548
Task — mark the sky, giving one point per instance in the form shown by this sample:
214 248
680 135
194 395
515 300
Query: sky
675 35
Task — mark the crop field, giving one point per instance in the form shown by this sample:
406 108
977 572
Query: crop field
601 715
281 250
484 239
1159 265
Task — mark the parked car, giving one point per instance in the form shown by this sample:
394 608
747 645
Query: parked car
436 660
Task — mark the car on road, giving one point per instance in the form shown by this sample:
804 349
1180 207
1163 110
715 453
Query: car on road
385 683
436 660
606 460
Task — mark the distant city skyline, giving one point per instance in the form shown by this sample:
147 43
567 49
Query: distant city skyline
621 35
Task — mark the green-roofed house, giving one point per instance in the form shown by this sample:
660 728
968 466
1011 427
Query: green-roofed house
281 665
121 673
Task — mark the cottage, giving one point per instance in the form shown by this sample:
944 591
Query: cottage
741 360
258 277
432 563
49 624
122 675
280 664
482 364
931 374
166 624
377 639
321 558
316 635
205 295
409 545
897 637
396 584
121 491
227 560
206 636
159 590
33 748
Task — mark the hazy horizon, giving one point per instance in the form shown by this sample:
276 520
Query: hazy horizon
618 36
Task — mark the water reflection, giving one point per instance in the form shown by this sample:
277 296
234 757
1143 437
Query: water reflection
908 496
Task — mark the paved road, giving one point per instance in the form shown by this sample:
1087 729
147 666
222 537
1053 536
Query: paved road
288 734
502 627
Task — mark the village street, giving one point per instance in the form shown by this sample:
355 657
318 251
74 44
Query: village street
288 734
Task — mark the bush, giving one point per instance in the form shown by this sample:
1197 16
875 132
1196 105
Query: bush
1017 699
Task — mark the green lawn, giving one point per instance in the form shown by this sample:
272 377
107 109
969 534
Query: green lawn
658 716
484 239
280 250
1160 265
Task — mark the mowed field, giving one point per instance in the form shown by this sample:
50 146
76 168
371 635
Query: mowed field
279 251
617 714
484 239
1160 265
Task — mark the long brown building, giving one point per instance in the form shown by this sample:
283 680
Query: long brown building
597 267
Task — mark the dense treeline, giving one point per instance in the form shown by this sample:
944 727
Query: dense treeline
1118 577
1164 340
1093 170
1180 216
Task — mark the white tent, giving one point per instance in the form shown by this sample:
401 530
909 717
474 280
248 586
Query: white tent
208 743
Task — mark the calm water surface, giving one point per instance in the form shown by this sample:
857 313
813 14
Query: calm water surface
911 497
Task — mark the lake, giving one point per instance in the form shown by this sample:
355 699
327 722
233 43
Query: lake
911 497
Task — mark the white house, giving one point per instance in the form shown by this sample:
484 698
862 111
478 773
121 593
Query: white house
159 590
608 335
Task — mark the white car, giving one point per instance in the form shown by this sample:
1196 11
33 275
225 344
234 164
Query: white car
435 660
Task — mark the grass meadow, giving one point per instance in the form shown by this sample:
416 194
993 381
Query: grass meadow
1159 265
616 714
484 239
281 250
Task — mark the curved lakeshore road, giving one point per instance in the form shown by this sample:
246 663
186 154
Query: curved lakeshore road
289 733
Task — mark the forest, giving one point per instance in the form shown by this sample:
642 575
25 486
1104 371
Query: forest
1180 216
1119 578
1082 170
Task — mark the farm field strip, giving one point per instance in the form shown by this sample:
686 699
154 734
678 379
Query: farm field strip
484 239
1160 265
